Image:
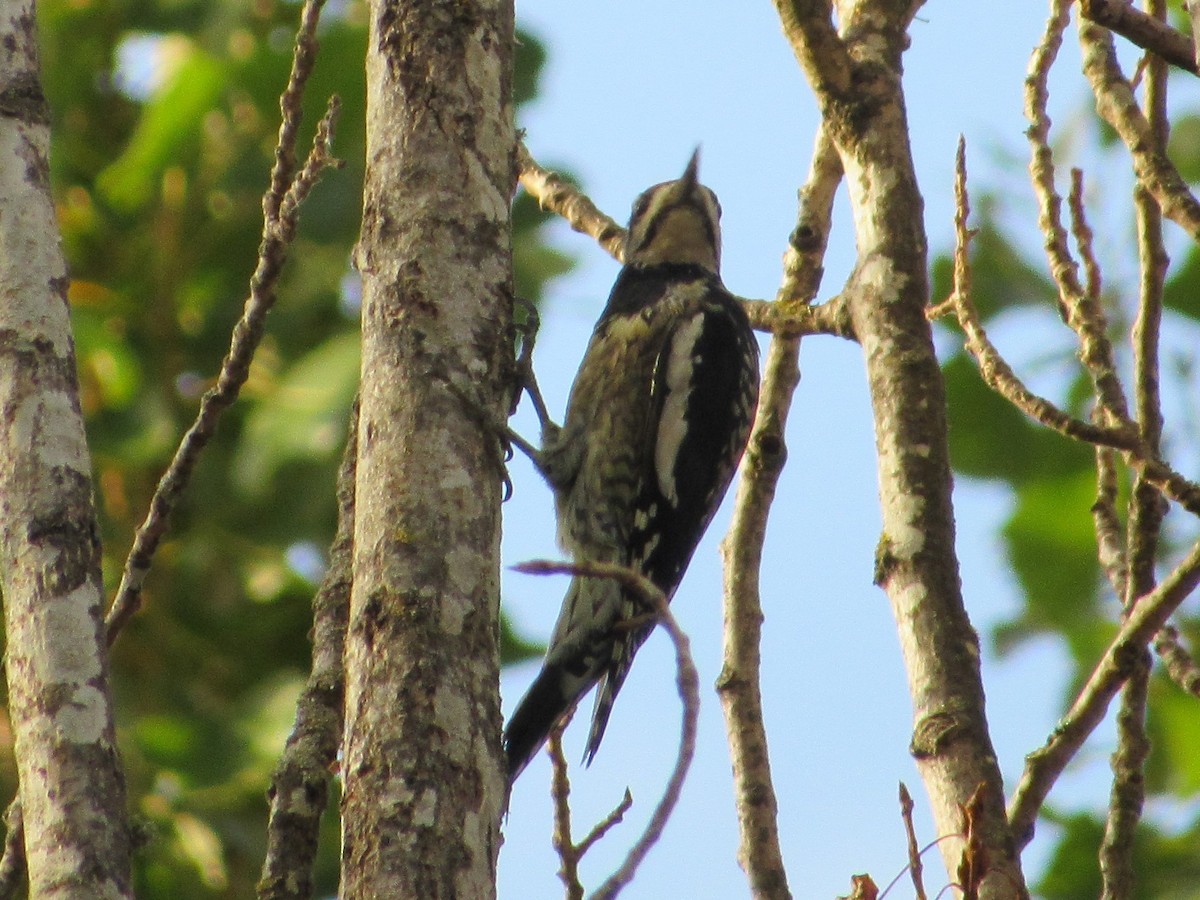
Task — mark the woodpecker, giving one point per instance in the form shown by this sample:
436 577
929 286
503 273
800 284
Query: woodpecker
657 420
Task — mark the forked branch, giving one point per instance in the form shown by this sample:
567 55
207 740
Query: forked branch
687 681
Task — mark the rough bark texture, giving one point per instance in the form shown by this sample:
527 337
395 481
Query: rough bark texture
916 559
422 765
856 74
72 788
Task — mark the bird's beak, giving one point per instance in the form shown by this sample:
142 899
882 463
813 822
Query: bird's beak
691 175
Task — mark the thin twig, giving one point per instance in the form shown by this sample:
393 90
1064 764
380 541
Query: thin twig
915 867
570 853
1078 307
280 204
995 371
1116 104
1110 534
819 49
687 681
1084 237
300 785
1146 31
920 853
605 825
560 792
738 685
1180 666
999 376
555 193
1043 766
1146 510
1129 785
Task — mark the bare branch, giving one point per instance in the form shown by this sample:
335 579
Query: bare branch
555 193
790 319
1147 506
1179 664
1110 534
808 25
687 681
738 685
1043 766
560 790
1146 510
1084 237
1146 31
1079 307
300 785
279 222
569 853
996 372
1118 107
998 375
605 825
915 867
1129 785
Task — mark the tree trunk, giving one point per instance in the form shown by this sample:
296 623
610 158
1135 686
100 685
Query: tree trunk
72 787
424 788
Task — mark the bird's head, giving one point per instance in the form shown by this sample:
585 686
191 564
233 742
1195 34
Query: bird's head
676 222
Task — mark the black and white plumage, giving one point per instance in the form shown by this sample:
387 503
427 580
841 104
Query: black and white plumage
657 420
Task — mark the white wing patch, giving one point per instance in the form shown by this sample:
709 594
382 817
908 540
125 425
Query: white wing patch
672 424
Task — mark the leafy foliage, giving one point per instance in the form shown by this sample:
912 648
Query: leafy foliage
165 118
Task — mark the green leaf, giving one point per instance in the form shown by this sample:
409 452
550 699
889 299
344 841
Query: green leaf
1182 290
169 129
303 417
1184 146
991 438
1052 548
513 647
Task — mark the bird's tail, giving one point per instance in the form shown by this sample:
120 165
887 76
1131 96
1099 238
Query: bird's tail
580 651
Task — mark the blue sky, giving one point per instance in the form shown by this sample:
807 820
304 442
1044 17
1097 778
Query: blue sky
630 88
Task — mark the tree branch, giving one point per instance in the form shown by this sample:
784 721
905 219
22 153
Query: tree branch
299 790
887 295
280 206
555 193
823 56
1146 31
686 680
560 789
1079 308
1043 766
570 853
1146 511
738 685
1116 104
1180 666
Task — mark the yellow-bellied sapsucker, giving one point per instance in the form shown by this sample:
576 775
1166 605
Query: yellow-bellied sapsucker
657 420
